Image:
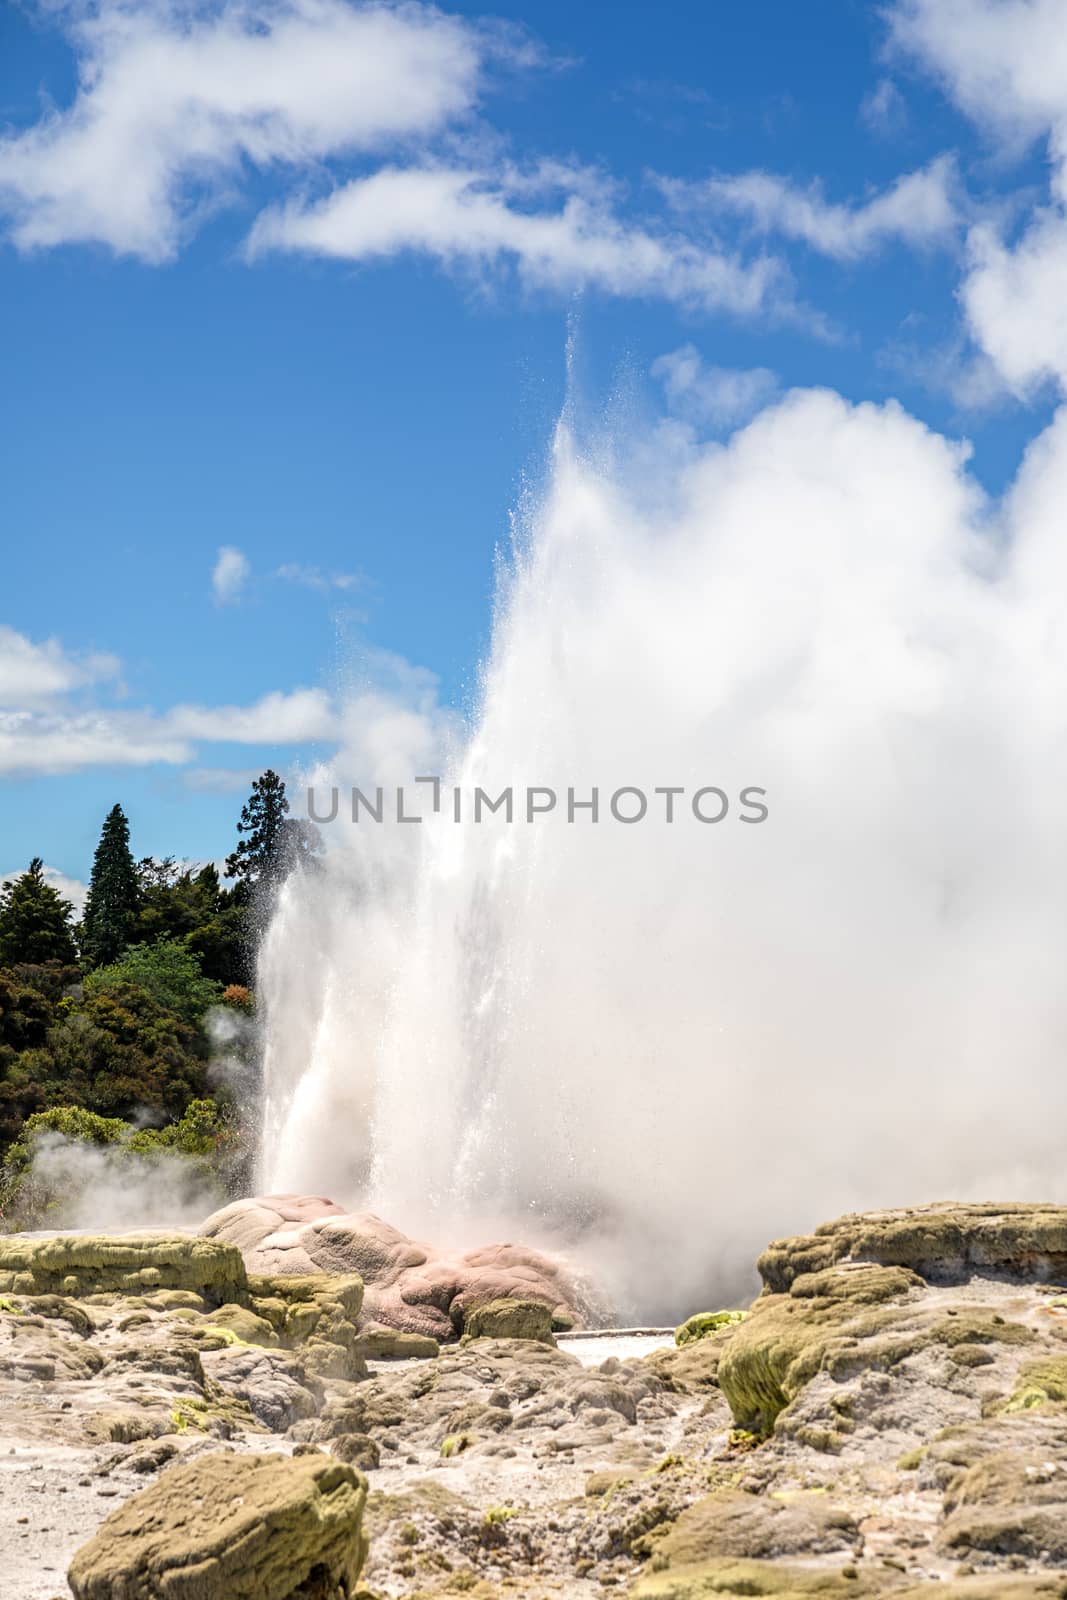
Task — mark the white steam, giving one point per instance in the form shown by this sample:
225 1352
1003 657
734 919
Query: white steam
669 1042
104 1187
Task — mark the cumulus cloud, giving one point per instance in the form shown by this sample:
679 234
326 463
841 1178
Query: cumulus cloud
229 574
366 120
919 209
173 102
62 740
33 674
303 714
721 397
1004 63
384 717
478 220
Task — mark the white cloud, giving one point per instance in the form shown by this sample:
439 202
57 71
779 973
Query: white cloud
720 396
58 741
315 578
172 103
176 105
883 110
71 889
1004 62
478 220
229 574
1005 65
33 674
920 209
302 715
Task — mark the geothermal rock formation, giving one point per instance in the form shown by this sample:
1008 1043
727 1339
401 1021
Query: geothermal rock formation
407 1285
886 1420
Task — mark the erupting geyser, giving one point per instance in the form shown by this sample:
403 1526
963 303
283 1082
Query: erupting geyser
664 1041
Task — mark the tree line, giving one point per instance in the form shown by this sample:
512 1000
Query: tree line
105 1022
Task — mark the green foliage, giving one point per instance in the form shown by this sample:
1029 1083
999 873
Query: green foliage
116 1053
173 902
74 1122
225 944
167 971
112 902
202 1136
272 843
91 1051
35 921
197 1132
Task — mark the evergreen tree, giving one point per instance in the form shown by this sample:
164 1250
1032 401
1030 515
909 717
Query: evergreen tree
35 921
273 842
112 902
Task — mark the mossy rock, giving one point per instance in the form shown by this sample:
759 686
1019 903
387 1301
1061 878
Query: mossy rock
943 1243
839 1321
729 1522
704 1323
244 1326
1012 1502
316 1313
1041 1385
508 1319
62 1309
377 1343
358 1449
749 1578
228 1527
79 1265
346 1288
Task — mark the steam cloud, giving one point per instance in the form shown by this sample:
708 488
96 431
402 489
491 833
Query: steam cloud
102 1187
665 1044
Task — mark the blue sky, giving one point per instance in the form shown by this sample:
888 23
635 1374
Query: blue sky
311 307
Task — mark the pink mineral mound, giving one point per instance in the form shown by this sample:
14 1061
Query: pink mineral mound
410 1285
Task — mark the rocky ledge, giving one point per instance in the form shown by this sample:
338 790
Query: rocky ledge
411 1286
887 1419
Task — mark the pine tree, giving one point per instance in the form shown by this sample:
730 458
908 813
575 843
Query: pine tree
112 901
274 842
35 921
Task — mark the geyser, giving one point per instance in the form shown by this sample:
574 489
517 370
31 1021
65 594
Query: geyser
663 1044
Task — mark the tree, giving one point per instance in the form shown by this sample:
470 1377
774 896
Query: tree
274 842
173 901
112 902
167 971
35 921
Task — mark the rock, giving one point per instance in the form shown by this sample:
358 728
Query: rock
243 1325
730 1523
727 1577
358 1449
509 1319
788 1338
318 1313
133 1263
408 1285
704 1323
377 1343
943 1243
276 1386
228 1527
